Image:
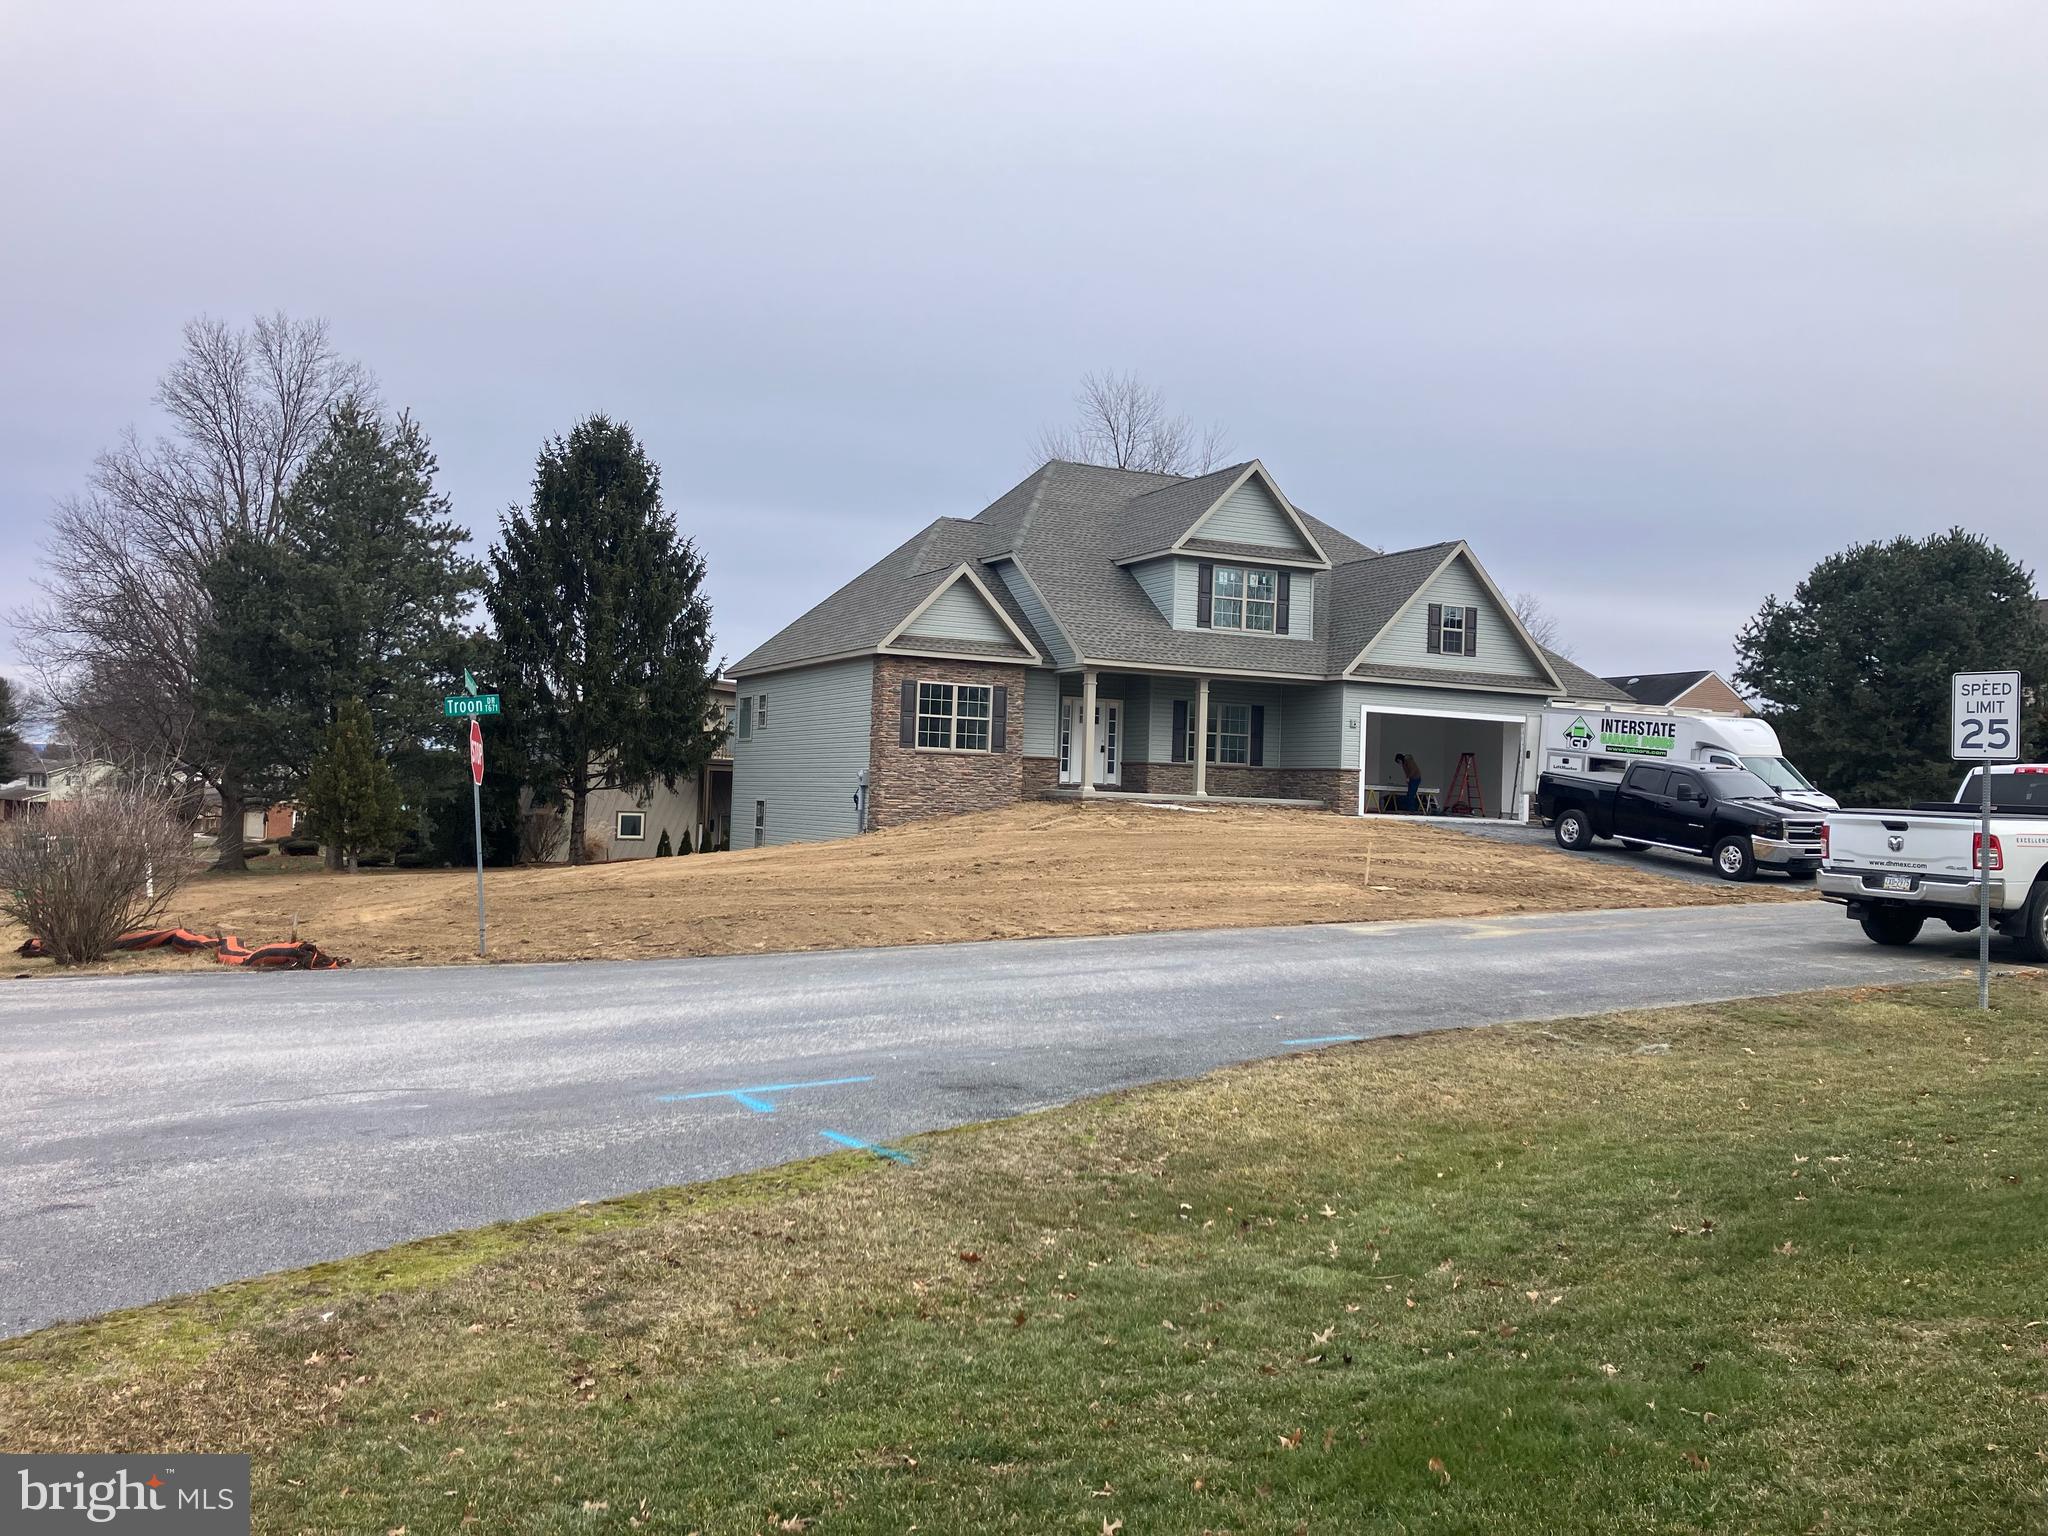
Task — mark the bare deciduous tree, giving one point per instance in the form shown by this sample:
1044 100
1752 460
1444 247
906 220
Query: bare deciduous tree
1544 626
82 872
115 642
1122 422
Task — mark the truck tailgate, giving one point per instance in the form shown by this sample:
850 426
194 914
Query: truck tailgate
1937 846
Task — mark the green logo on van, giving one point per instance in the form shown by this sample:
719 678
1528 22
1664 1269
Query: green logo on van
1579 734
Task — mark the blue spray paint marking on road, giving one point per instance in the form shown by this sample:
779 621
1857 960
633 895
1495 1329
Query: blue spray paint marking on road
1324 1040
857 1145
754 1098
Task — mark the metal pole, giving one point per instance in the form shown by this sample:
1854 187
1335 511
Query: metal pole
1984 896
476 806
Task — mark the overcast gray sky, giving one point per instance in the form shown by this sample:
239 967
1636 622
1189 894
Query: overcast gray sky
1655 303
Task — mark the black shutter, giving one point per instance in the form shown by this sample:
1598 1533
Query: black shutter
999 719
1280 607
1180 730
1205 591
1258 753
907 726
1436 629
1471 631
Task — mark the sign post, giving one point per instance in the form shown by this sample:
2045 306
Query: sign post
1984 728
470 705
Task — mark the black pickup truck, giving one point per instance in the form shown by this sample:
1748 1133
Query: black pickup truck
1728 815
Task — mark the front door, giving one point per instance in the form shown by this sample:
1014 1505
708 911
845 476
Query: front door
1109 742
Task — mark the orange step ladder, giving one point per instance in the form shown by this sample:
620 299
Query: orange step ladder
1464 797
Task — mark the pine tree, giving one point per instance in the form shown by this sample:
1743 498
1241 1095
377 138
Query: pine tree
13 750
603 627
686 841
385 588
664 849
1854 668
351 795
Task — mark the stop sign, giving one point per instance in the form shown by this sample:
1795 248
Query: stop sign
476 753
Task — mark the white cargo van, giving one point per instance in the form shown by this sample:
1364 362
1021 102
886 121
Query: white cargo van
1606 739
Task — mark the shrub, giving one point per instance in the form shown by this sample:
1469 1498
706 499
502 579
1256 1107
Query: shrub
255 850
413 858
542 834
83 872
662 849
299 847
373 857
686 841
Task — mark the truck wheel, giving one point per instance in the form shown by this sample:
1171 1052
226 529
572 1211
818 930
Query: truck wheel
2034 938
1573 831
1734 859
1892 926
1632 845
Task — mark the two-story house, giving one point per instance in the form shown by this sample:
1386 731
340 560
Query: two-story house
1099 631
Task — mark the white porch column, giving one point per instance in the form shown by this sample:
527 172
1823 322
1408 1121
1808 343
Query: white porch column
1201 752
1087 763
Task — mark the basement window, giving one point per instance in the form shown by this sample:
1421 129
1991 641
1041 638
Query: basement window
632 826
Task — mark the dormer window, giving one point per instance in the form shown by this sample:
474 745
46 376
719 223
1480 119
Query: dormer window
1453 632
1243 597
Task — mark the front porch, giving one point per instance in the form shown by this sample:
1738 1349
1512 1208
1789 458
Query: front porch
1191 801
1183 738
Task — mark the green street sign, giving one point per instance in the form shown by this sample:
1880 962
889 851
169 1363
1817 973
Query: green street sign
458 706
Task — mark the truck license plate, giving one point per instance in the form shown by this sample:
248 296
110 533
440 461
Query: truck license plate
1898 882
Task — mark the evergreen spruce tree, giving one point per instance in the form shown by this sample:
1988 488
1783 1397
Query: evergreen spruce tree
664 849
1853 670
385 589
603 629
686 841
352 802
13 750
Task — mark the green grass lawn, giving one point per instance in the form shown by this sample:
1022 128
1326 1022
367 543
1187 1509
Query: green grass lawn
1763 1266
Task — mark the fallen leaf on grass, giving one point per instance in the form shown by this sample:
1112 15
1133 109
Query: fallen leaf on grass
1436 1465
1699 1462
1111 1527
1291 1442
968 1256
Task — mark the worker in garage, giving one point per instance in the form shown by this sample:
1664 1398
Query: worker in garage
1411 800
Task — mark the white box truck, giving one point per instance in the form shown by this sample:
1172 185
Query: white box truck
1607 738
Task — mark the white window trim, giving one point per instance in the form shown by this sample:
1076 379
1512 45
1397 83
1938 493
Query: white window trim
746 729
761 712
952 717
619 827
1244 599
1444 629
1217 733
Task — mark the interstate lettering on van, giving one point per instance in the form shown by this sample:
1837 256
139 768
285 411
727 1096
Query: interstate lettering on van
1625 737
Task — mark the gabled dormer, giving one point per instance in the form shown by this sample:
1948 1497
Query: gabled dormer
1455 620
1228 552
960 617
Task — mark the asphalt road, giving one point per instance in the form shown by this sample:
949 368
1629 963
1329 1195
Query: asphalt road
169 1133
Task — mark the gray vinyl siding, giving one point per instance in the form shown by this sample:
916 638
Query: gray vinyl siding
1500 649
960 613
1020 588
1530 706
1249 515
1041 713
1187 582
807 761
1223 690
1315 728
1158 578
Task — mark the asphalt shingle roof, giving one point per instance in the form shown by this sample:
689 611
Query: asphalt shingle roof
1067 525
1656 687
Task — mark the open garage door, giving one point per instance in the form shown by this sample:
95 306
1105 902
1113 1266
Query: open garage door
1436 740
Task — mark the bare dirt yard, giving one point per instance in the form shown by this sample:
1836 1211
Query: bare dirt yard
1027 871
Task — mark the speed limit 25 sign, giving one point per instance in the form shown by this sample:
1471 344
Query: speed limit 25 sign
1984 717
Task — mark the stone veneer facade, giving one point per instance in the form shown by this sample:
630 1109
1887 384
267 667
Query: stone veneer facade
908 784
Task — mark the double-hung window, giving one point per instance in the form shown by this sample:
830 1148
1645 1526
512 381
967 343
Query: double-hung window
954 716
1242 597
1230 733
1452 631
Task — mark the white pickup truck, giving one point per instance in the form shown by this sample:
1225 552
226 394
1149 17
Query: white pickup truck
1894 870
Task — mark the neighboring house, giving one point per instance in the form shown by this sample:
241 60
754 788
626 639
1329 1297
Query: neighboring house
628 823
1101 631
1684 690
51 772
